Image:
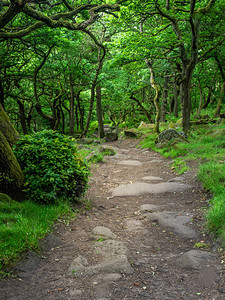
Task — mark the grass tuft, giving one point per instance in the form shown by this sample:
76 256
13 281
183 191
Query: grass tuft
22 224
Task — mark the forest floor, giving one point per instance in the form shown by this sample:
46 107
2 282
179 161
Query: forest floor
156 251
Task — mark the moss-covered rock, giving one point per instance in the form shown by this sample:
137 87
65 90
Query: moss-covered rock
106 150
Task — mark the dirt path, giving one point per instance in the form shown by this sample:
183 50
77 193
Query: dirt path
136 251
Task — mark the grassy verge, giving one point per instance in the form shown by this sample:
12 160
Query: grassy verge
23 224
207 146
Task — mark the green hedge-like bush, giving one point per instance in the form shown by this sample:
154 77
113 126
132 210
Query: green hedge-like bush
51 166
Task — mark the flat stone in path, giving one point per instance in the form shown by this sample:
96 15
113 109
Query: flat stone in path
130 163
148 208
75 294
195 259
152 178
155 161
176 221
102 232
119 263
111 277
177 179
140 188
133 224
121 156
113 252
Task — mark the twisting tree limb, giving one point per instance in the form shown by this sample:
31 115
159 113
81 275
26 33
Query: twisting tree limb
64 19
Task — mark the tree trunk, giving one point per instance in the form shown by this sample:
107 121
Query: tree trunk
186 100
157 96
200 100
164 99
63 119
175 93
81 111
2 96
93 86
7 128
22 117
72 115
11 175
99 112
220 101
208 98
90 110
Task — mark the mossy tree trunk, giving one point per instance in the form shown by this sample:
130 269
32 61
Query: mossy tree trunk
95 80
99 112
220 101
11 175
7 128
164 98
157 89
175 93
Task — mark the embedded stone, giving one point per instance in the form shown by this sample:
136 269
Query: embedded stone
140 188
195 259
102 232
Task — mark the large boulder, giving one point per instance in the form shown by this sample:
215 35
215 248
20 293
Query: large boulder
169 135
144 125
111 136
130 133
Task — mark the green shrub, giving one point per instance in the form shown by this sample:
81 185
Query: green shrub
51 166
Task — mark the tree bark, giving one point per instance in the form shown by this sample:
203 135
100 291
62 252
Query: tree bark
11 175
80 122
2 95
95 81
164 99
186 100
208 97
22 117
7 129
200 100
157 95
99 112
175 95
221 100
72 106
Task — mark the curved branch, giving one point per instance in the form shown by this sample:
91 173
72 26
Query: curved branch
55 21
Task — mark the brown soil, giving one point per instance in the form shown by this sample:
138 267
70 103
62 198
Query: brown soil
153 250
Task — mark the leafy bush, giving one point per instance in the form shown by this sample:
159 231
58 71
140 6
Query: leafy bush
51 167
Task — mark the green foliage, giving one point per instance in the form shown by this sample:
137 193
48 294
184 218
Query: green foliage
23 224
201 245
179 166
51 166
149 142
96 158
213 177
107 151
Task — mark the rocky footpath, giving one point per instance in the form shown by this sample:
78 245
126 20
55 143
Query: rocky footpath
142 238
